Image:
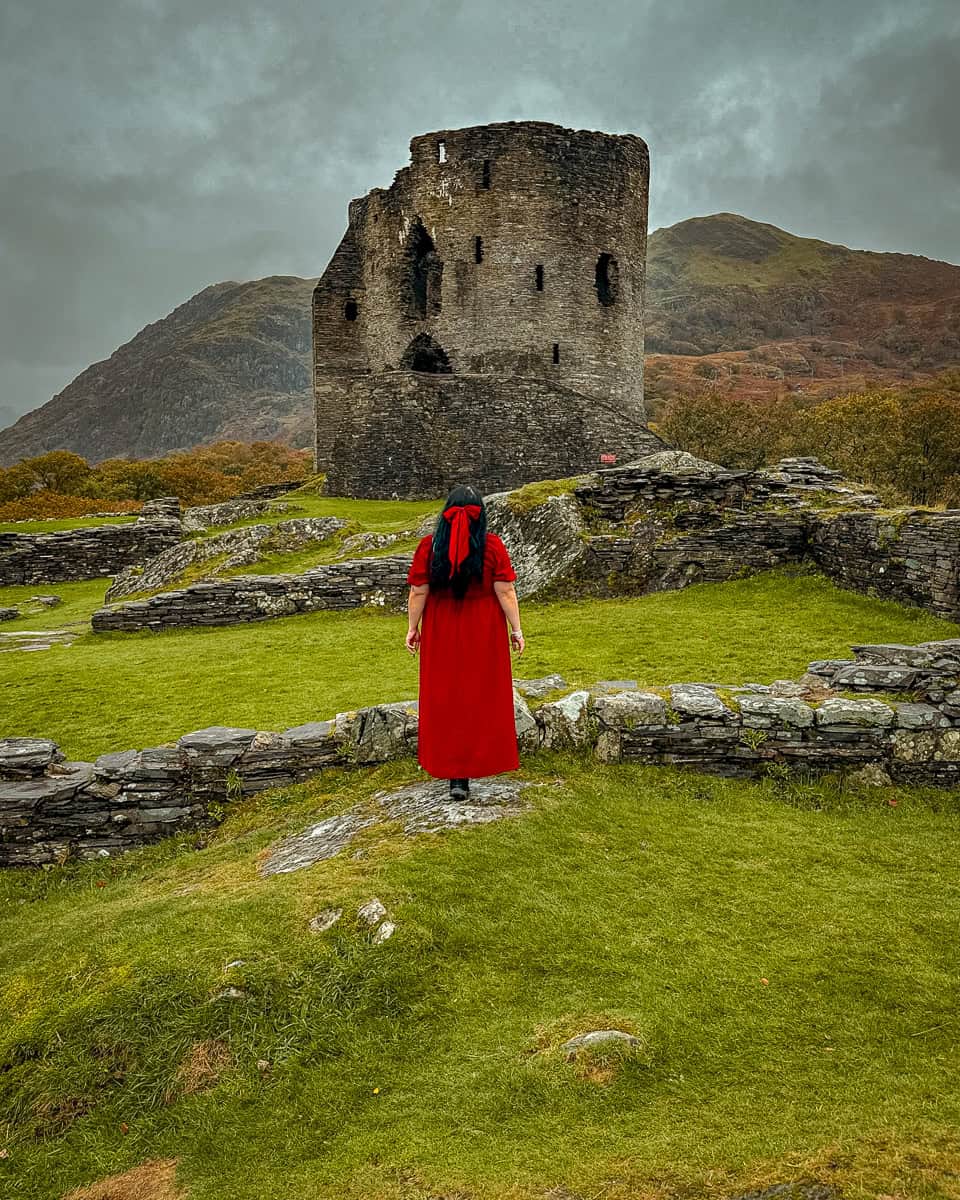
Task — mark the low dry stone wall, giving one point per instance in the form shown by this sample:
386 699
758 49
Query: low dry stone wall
657 524
223 551
90 553
52 809
377 580
208 516
911 556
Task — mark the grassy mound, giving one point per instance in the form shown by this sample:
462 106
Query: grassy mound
787 955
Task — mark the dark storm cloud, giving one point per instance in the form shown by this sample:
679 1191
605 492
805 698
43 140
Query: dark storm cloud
150 147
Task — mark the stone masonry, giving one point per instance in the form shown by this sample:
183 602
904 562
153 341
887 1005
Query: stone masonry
661 523
483 316
91 552
52 809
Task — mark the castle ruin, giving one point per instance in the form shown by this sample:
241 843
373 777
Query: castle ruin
482 318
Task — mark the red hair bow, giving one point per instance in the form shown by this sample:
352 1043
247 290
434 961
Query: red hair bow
458 515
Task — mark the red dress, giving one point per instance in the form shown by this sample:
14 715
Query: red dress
466 723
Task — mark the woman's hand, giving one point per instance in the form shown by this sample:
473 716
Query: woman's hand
517 642
413 640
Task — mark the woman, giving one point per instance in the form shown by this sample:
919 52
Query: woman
461 582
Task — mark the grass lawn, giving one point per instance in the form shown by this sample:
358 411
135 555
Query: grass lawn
385 516
116 691
787 953
55 524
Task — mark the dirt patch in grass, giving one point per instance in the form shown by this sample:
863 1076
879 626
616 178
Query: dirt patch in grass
150 1181
200 1068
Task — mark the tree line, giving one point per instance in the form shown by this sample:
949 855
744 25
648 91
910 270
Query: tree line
62 484
904 442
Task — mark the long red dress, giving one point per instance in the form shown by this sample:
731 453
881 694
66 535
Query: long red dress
466 723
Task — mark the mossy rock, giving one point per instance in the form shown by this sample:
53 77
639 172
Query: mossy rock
533 495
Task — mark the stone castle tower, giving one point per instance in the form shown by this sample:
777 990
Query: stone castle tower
482 319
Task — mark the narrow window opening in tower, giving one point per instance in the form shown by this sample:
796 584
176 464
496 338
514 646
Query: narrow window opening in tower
351 310
423 276
608 279
539 277
485 175
441 151
556 352
426 355
478 249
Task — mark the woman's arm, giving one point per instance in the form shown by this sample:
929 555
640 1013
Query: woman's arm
416 602
508 597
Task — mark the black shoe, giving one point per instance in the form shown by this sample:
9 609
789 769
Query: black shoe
459 789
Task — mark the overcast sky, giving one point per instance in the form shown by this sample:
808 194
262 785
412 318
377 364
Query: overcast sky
151 147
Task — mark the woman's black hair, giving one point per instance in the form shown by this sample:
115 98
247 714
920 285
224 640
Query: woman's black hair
472 565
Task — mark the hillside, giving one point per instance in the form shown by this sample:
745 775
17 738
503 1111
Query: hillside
232 362
760 310
730 300
174 1029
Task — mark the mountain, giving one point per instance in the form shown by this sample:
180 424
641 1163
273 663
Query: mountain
735 302
760 309
232 362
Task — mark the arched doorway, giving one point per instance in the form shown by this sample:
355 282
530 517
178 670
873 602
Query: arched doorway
425 354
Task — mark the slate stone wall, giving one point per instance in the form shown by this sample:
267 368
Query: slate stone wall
510 252
92 552
416 435
51 808
912 556
238 598
628 531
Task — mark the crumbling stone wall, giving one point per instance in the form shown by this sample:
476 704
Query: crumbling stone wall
505 253
51 808
649 526
93 552
238 598
912 555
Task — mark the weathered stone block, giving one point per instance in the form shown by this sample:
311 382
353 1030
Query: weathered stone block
762 712
565 722
840 711
695 700
22 756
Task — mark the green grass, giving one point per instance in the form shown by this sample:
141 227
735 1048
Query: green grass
54 525
79 601
789 954
114 691
384 516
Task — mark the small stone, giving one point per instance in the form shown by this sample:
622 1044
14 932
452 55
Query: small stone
237 962
385 930
615 685
525 724
372 912
564 721
869 775
787 689
325 920
230 993
536 689
628 709
875 677
765 711
599 1037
